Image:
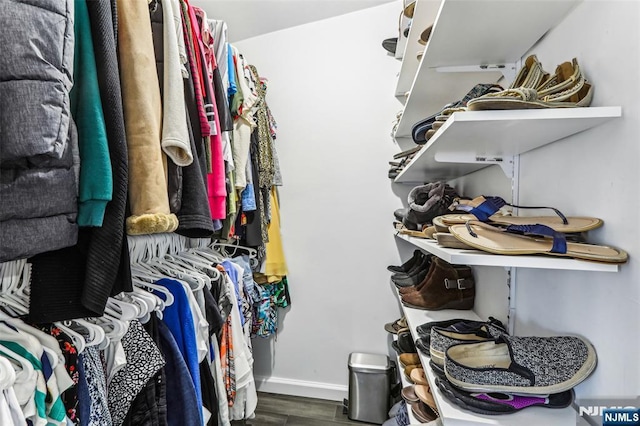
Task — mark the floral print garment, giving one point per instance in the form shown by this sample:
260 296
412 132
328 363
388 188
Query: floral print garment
70 353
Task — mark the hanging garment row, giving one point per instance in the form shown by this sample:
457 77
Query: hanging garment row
149 121
186 326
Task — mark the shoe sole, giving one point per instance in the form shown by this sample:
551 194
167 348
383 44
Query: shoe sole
579 377
461 403
406 395
437 357
463 305
505 409
407 152
390 329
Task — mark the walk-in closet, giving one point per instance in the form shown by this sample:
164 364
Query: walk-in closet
319 212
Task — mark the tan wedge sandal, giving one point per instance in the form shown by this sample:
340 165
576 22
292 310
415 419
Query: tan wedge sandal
532 239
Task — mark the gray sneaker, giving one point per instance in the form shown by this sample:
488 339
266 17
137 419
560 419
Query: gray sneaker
462 332
523 365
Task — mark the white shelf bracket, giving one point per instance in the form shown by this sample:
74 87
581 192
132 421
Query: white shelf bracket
511 314
506 163
508 71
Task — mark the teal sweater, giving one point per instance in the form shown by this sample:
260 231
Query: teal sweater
96 178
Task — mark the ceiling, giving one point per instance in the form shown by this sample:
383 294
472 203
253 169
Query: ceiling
251 18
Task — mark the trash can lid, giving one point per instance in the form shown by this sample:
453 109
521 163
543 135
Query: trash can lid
369 362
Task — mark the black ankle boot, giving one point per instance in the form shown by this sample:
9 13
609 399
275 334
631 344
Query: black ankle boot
406 267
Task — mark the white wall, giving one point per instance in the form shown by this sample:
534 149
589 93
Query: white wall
594 173
331 91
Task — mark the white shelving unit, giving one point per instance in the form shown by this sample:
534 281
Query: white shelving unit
462 52
451 414
480 258
472 140
482 41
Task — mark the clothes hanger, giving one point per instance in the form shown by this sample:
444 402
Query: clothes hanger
178 272
179 259
169 299
23 289
11 275
135 252
18 308
179 243
197 243
113 331
113 326
185 271
168 262
16 294
193 258
16 327
17 360
98 333
146 272
155 303
125 311
199 263
144 306
93 334
76 338
106 326
168 243
145 247
207 253
253 253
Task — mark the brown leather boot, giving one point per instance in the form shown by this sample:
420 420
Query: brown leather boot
417 287
448 287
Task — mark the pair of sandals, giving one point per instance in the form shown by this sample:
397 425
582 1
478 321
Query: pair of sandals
483 227
418 395
534 88
423 406
397 326
405 157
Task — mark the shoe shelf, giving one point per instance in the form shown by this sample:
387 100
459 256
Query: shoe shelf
471 140
423 16
451 414
472 41
480 258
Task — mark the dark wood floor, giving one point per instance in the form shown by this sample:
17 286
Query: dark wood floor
297 411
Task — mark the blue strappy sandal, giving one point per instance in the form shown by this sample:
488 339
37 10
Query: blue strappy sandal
487 209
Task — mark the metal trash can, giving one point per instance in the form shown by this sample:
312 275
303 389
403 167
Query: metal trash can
370 380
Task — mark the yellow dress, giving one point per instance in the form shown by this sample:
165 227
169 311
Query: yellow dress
275 263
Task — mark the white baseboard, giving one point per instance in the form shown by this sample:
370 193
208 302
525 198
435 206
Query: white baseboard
303 388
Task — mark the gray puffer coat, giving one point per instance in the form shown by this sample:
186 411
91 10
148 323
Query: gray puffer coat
38 143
